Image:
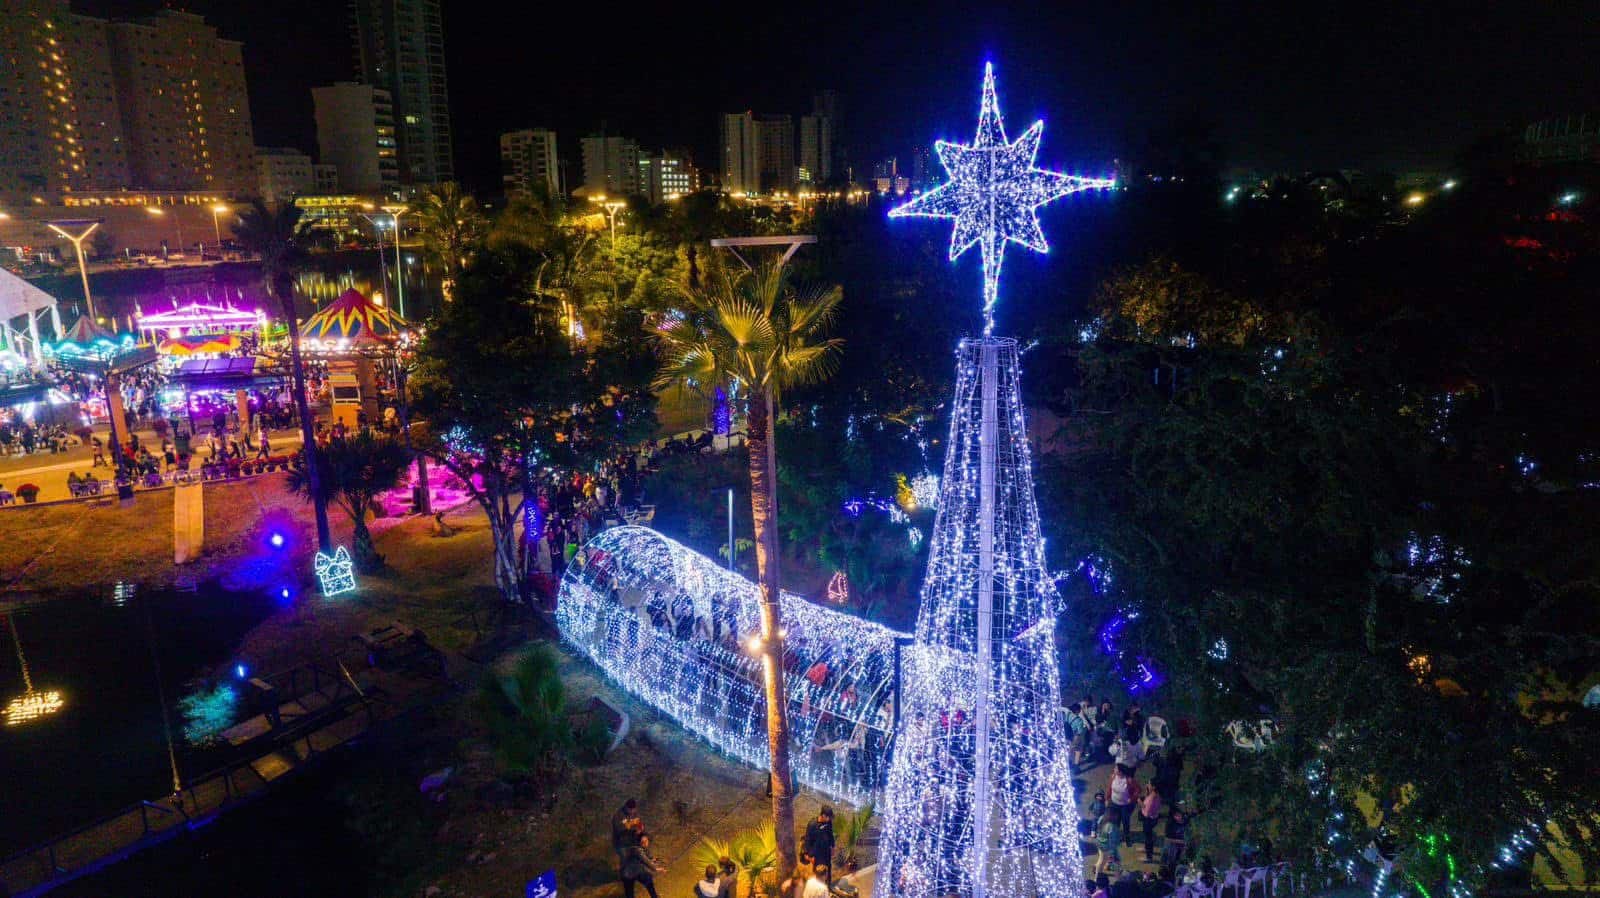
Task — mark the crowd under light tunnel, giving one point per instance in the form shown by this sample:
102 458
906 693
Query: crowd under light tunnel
674 627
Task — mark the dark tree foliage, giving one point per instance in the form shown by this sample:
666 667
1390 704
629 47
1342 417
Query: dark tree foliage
1350 485
510 400
352 473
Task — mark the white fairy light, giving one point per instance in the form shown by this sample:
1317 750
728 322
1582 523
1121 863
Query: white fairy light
925 490
993 193
930 800
682 633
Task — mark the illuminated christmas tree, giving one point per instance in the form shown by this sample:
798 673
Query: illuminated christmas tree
979 800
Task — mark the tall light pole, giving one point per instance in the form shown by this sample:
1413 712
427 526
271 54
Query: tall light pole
612 208
399 266
216 225
177 221
88 226
383 267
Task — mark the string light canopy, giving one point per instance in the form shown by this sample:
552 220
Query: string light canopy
994 192
673 627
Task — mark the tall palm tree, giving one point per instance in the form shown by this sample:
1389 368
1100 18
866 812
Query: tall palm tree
452 224
276 235
755 329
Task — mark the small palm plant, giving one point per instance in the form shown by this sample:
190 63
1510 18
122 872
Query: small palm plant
851 828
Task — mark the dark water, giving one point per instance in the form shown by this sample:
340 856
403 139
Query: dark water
114 654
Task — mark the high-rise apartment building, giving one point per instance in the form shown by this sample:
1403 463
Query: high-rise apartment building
611 166
740 159
356 135
91 105
528 162
775 152
665 176
283 173
923 175
185 111
816 149
400 49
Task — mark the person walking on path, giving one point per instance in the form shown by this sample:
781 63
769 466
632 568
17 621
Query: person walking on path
620 835
1122 793
1150 815
639 866
265 445
818 842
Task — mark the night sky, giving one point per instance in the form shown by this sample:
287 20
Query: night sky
1281 86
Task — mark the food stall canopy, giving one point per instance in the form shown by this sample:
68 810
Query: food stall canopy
227 374
18 297
201 318
198 344
349 321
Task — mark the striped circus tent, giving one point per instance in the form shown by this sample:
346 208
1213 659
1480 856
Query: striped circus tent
352 319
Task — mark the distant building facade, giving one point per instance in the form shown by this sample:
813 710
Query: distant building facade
666 176
775 152
356 135
283 173
816 149
528 162
325 177
1565 138
157 104
611 166
740 159
400 49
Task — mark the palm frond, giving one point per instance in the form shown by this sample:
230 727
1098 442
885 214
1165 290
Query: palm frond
803 364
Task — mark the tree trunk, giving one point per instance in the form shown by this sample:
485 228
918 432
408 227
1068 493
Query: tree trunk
364 551
764 512
308 433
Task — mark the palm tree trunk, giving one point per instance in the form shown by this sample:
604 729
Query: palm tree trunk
764 512
308 434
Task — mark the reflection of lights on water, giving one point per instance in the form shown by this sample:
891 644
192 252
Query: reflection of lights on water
31 706
122 592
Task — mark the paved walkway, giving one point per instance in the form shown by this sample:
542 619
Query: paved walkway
48 470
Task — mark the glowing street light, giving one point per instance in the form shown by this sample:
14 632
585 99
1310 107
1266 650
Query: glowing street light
216 224
177 221
396 211
1569 198
88 226
612 207
1415 199
377 228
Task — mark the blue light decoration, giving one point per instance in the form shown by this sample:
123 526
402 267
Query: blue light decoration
994 193
980 771
721 413
276 540
336 572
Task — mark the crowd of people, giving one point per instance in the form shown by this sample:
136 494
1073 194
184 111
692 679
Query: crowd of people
813 878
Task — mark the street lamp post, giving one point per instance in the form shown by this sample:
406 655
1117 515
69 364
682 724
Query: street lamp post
383 266
216 225
177 221
399 266
60 227
612 208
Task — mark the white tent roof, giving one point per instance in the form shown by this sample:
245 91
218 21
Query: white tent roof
18 297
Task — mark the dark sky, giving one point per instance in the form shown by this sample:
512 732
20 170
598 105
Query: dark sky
1282 85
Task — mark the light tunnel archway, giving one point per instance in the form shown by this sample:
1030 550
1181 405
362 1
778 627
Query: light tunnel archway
670 625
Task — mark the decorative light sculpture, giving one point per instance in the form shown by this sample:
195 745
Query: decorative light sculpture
335 572
993 193
979 801
672 627
838 588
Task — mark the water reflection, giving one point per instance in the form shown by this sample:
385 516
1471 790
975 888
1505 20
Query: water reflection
111 654
31 704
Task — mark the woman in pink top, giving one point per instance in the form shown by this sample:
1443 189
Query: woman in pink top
1149 813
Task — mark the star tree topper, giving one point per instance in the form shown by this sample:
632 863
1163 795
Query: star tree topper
993 192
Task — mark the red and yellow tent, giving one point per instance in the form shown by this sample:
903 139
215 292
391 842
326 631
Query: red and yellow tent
350 320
